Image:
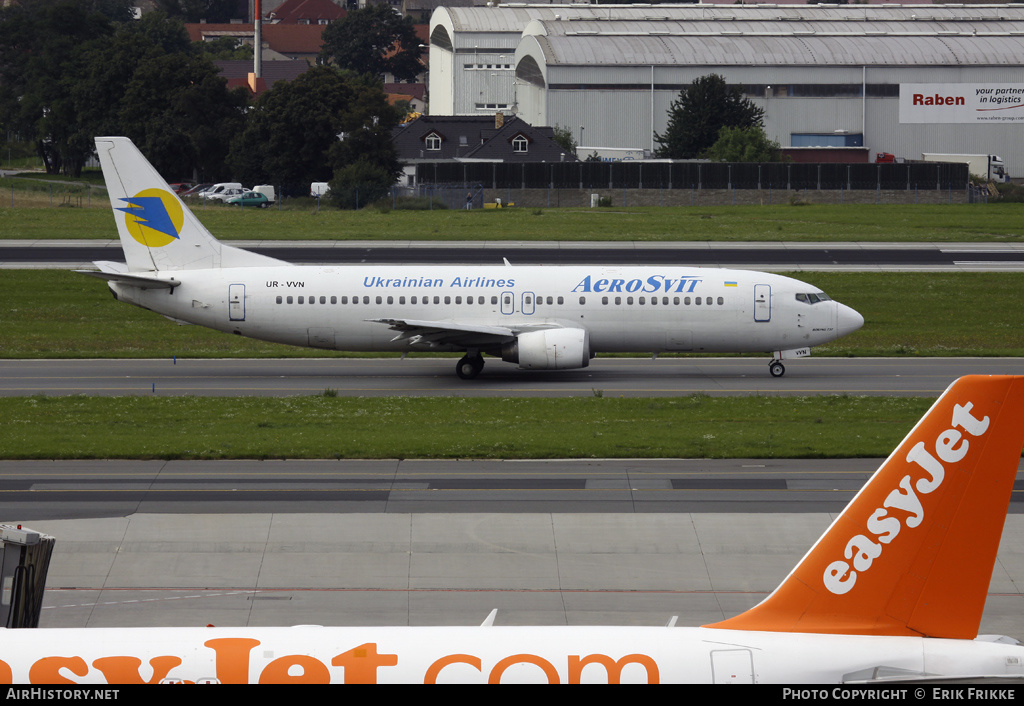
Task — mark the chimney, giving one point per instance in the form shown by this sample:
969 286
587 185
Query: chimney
257 47
499 120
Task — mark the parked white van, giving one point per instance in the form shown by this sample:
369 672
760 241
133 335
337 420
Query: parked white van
267 190
223 190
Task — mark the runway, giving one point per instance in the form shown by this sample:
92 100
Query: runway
768 256
628 377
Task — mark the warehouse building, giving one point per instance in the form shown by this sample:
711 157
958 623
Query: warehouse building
859 79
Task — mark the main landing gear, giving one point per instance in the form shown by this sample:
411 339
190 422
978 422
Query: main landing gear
776 368
469 366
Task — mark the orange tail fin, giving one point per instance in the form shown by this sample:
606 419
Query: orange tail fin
912 554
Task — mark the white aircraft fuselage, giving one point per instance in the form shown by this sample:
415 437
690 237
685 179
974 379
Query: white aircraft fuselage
491 654
619 308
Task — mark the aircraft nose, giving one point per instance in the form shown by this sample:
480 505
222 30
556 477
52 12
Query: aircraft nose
848 320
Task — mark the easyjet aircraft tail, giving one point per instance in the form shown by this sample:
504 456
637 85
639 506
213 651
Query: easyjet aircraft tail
157 232
913 552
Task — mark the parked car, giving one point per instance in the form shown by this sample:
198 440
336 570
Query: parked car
319 189
223 195
222 191
181 187
194 191
249 198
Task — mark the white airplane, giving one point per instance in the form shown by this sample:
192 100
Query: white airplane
893 591
537 317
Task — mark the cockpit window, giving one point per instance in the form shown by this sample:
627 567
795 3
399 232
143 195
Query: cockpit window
812 297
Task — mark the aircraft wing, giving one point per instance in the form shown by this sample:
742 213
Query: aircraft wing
118 272
447 333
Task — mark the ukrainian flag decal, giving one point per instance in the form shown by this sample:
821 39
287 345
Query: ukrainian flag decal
730 284
153 217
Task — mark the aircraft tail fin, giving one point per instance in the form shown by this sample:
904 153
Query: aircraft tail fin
157 230
913 552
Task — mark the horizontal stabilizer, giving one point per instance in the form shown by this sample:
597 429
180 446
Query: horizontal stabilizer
140 281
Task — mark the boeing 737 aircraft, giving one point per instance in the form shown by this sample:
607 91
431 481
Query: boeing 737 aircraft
894 590
540 318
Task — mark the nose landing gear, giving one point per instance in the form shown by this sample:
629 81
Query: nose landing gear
776 368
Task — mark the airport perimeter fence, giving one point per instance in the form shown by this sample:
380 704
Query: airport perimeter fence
453 185
581 184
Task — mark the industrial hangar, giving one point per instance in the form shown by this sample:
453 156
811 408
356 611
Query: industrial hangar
861 79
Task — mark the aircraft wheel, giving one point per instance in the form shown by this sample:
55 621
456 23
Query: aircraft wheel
777 369
469 366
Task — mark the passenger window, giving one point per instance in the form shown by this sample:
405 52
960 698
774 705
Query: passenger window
675 300
583 300
641 300
323 300
561 300
686 301
302 300
721 300
604 300
458 300
289 300
618 301
279 299
494 299
366 300
334 300
447 300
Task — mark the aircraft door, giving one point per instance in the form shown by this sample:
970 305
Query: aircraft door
732 666
529 302
508 303
762 302
236 302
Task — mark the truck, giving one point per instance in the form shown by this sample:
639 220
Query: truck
988 166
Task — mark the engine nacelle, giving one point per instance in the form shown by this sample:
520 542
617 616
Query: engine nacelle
551 349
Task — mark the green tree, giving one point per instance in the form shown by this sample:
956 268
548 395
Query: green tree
150 83
699 113
744 144
195 10
375 40
564 138
305 130
40 44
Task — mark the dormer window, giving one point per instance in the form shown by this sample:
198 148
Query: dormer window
520 143
433 141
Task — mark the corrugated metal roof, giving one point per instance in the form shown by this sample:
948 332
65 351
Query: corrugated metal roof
828 26
512 18
620 50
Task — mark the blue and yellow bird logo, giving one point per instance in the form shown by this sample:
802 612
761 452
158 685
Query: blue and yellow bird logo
153 217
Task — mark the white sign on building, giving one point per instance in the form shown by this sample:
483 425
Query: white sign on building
961 102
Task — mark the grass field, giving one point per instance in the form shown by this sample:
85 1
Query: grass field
697 426
868 223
